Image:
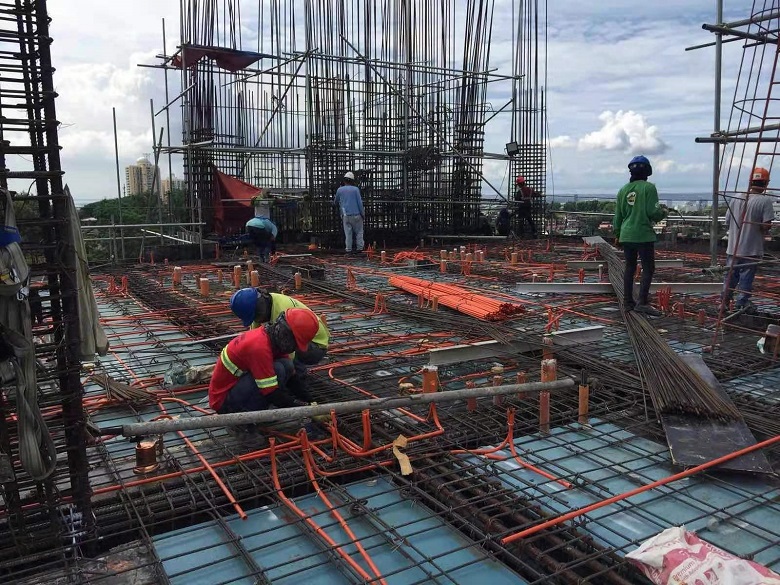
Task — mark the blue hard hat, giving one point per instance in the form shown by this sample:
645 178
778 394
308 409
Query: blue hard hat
243 303
640 161
9 235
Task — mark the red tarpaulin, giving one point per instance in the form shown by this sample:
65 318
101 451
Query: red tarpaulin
232 203
229 59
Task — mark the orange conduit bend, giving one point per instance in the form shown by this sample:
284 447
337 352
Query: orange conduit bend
306 518
510 444
307 456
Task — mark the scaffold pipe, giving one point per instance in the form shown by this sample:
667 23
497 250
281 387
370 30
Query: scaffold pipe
297 413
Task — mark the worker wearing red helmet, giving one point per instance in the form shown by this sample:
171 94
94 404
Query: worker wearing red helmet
524 196
256 307
748 220
252 370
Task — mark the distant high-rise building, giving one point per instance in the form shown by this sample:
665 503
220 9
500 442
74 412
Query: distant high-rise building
140 177
173 184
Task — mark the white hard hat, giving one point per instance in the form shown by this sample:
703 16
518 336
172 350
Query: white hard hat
350 175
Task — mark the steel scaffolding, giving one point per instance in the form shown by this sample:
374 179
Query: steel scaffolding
395 91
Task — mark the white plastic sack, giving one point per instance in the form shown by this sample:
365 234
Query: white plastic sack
678 557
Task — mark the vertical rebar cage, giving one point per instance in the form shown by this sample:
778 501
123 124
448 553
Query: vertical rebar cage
45 491
394 91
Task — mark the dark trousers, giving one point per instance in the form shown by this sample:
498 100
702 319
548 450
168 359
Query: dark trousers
245 396
646 253
524 215
262 238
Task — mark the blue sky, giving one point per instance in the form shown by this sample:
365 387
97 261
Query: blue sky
619 83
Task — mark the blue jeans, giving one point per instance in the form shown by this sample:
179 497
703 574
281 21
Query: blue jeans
353 224
245 396
741 278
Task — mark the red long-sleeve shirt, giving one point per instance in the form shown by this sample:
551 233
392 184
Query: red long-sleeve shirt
249 352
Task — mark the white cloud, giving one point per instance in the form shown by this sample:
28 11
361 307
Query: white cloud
628 132
599 60
562 142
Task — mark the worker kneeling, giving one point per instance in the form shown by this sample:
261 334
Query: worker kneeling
255 307
254 370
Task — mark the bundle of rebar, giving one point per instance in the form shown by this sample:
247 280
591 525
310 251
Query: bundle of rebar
116 390
674 387
458 298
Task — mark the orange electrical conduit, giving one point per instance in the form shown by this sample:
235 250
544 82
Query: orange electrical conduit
458 298
625 495
230 497
306 452
510 443
306 518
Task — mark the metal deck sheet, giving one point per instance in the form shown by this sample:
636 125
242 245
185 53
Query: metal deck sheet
738 513
407 541
694 440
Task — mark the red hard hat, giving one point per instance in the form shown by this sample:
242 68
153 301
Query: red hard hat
759 174
520 180
304 325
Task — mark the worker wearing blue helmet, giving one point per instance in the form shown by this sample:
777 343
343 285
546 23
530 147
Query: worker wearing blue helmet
636 211
255 307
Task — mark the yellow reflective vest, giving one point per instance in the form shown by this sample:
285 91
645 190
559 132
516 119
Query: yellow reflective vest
280 303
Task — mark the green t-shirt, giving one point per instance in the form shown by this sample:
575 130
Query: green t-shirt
280 303
636 211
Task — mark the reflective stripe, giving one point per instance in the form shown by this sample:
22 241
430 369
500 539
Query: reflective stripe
229 365
267 382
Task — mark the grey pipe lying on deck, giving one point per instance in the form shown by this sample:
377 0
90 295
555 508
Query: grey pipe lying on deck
291 414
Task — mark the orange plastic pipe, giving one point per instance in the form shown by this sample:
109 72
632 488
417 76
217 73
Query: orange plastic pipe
334 512
306 518
228 494
620 497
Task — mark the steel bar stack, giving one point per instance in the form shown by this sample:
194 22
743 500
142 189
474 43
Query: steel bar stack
673 386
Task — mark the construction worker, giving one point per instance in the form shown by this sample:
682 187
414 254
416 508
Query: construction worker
260 228
746 239
251 373
350 204
504 222
636 211
255 307
524 196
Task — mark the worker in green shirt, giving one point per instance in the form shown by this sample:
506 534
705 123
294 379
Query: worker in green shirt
636 211
255 307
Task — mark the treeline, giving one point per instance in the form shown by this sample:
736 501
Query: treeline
103 243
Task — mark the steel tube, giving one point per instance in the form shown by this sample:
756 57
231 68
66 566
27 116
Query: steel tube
296 413
716 145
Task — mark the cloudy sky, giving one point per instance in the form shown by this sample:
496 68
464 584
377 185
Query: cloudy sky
619 84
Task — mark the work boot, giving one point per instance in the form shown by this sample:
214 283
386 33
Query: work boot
250 433
648 310
746 307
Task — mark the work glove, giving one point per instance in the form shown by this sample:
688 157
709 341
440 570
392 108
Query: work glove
617 242
322 418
